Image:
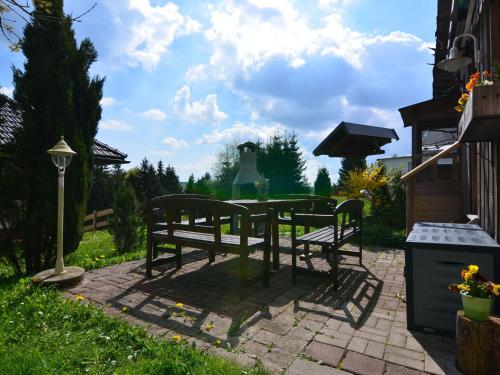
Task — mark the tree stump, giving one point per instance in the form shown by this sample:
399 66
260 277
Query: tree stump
478 345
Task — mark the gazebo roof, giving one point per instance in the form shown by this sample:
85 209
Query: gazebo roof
11 119
349 140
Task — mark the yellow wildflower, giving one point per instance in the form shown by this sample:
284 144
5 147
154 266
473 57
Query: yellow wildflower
473 269
218 342
80 298
177 338
209 326
125 309
179 305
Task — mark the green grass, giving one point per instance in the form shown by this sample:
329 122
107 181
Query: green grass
43 333
97 250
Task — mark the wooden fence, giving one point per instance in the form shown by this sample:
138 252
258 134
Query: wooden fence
97 220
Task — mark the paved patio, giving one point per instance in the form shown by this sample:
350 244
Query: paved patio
303 329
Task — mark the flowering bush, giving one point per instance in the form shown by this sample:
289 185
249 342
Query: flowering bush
475 285
475 80
371 179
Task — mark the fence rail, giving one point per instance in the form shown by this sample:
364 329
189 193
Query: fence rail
97 219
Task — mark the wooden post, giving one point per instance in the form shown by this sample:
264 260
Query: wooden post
94 221
478 345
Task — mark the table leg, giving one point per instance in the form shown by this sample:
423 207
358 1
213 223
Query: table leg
275 241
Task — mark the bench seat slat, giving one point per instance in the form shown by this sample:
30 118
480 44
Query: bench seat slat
226 239
326 235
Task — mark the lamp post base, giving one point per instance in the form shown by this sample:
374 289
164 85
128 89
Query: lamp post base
70 276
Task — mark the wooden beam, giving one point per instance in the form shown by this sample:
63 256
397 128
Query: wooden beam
430 161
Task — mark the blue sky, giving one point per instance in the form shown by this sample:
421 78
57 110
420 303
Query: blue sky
185 77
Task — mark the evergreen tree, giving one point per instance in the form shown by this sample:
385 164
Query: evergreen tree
203 185
190 188
171 182
280 160
323 184
124 224
160 172
56 97
148 183
347 165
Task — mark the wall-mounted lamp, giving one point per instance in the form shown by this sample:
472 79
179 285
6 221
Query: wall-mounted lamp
456 61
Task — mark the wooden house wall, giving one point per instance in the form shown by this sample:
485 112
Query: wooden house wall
483 164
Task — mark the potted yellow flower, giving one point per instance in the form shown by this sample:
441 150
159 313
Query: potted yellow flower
477 293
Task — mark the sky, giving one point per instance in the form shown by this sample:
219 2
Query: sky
183 78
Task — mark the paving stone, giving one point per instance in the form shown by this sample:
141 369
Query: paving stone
396 339
255 348
405 361
303 367
400 370
338 339
375 349
362 364
280 357
357 344
329 354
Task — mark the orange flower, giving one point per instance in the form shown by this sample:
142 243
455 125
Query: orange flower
458 108
465 97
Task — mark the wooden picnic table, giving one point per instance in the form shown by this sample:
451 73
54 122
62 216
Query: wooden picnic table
278 206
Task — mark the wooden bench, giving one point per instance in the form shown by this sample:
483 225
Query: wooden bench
343 225
206 235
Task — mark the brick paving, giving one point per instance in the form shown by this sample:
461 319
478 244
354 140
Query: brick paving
306 328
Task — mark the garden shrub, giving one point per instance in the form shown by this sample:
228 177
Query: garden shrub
125 223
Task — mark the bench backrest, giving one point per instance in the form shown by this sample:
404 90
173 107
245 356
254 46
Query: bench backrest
350 213
172 208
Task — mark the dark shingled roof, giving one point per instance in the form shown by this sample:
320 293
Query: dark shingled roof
11 119
351 140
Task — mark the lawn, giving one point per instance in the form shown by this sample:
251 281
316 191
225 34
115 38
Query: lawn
41 332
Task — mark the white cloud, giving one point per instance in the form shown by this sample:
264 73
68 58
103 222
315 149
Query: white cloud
175 143
8 91
204 110
150 36
247 34
334 4
197 73
241 132
154 114
204 164
108 101
117 125
162 153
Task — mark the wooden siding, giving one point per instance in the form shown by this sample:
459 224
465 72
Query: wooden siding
486 155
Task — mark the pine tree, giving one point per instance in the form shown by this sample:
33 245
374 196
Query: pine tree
171 182
280 160
148 183
57 97
347 165
203 185
160 172
124 224
323 184
190 188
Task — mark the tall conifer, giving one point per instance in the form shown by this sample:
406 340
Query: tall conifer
57 97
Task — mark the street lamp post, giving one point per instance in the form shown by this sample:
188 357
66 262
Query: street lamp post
61 155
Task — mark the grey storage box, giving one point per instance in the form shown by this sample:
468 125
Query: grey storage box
435 253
